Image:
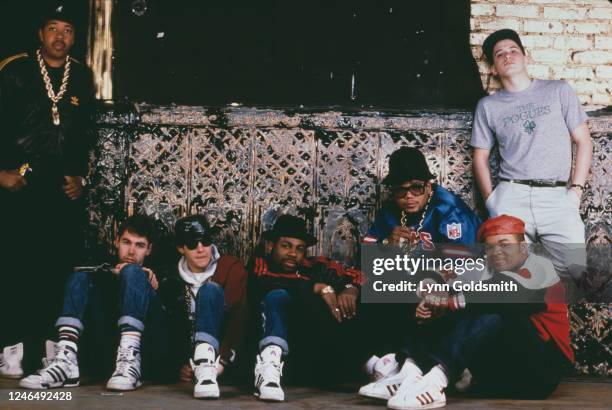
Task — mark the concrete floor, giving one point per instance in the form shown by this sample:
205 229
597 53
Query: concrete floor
570 395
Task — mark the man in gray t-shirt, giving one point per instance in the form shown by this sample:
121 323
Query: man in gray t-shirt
533 124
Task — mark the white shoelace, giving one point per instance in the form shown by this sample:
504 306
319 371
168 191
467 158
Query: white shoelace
125 360
271 372
59 360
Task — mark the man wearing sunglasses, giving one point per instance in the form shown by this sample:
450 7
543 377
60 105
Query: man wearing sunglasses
206 300
420 217
91 296
420 213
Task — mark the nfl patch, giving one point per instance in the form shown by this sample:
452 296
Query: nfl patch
453 231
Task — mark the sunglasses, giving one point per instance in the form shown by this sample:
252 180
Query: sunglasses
414 189
192 243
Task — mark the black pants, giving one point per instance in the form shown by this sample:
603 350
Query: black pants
322 350
520 366
41 238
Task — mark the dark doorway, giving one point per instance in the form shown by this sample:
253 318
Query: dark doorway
389 53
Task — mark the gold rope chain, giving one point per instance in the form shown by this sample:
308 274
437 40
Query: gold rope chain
52 96
410 245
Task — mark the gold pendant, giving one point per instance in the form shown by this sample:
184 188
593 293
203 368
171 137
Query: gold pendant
55 114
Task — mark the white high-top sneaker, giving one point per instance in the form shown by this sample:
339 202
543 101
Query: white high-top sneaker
127 369
421 393
380 367
61 370
204 365
10 361
268 373
386 387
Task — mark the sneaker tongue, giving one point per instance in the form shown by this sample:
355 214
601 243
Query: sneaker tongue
204 352
271 354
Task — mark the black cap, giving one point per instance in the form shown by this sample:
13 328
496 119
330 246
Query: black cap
407 163
496 37
60 10
192 228
291 227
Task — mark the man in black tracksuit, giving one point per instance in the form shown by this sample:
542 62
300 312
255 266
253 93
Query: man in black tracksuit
46 100
301 295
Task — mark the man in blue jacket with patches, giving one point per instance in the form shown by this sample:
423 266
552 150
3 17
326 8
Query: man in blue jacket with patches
422 218
420 213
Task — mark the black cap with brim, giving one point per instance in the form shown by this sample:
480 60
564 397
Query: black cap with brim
192 227
62 11
290 226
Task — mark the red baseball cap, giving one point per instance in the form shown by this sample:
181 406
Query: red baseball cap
500 225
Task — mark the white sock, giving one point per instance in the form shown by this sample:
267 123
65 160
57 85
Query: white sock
438 377
68 343
130 338
410 369
271 353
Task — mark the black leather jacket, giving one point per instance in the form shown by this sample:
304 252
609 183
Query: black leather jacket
27 133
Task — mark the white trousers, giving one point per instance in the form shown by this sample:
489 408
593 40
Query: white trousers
552 218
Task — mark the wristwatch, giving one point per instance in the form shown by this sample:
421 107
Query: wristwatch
327 289
350 286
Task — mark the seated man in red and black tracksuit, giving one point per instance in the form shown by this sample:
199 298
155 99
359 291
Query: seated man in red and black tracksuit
294 290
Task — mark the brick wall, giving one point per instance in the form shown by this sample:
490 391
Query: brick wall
564 40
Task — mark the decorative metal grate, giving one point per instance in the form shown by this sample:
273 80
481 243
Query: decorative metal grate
242 167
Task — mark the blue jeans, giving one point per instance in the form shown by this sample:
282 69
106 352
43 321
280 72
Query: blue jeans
275 311
91 298
455 343
137 299
209 308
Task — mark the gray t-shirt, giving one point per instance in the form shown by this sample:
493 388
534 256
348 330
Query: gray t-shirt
532 128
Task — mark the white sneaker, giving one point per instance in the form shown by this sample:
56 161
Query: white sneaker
10 361
386 387
267 380
61 370
204 367
127 370
379 368
464 382
417 394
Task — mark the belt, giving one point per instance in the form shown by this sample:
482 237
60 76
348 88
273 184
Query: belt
535 182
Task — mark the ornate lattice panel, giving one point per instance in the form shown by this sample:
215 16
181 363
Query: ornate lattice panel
347 179
244 167
220 181
159 166
108 180
283 175
457 166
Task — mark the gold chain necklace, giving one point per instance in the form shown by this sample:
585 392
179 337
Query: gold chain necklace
409 246
52 96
